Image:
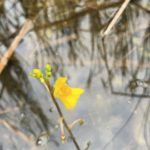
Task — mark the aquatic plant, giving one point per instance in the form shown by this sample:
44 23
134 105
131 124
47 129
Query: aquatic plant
66 94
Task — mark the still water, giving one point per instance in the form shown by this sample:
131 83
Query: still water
114 71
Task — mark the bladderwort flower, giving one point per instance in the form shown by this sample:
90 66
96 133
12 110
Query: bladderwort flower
37 73
67 95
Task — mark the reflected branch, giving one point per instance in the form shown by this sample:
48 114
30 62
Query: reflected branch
116 16
17 132
124 125
4 60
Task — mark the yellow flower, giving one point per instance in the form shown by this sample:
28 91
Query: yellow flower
36 73
67 95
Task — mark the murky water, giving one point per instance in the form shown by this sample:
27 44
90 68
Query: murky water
114 71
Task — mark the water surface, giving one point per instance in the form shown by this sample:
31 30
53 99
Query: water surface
114 71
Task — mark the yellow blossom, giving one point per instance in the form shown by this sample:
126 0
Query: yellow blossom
67 95
36 73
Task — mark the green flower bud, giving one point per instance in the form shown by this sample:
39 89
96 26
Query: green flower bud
48 68
47 71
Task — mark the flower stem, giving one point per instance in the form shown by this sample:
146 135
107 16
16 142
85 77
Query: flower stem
50 90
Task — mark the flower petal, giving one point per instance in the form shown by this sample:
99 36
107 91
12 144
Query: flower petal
67 95
58 84
71 101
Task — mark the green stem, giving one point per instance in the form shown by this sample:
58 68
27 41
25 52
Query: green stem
50 90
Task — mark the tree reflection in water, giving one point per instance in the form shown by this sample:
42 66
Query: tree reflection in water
67 35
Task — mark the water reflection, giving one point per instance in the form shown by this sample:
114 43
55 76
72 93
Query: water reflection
66 34
17 94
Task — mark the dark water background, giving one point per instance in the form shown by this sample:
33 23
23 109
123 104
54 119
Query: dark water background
114 71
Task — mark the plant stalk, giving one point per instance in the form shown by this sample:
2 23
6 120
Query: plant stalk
50 90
